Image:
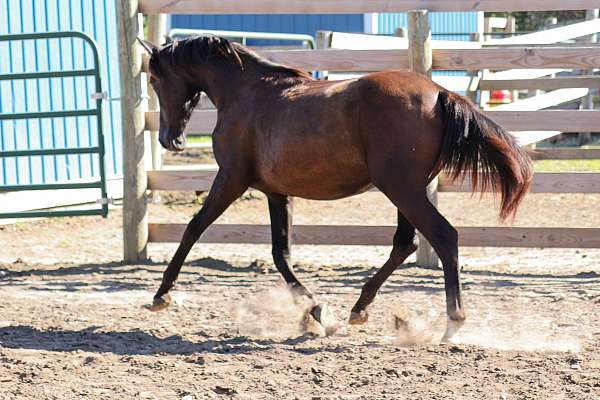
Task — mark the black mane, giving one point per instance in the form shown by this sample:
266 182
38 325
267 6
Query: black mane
203 49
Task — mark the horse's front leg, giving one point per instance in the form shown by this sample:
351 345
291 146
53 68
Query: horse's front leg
225 190
281 212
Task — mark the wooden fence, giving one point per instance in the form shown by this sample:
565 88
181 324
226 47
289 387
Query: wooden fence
137 231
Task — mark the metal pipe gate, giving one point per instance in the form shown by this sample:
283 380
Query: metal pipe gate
98 96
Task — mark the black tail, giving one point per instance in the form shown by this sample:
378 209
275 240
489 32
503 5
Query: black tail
475 145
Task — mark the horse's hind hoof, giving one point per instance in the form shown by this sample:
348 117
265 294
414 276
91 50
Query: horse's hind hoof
358 318
160 303
451 329
323 316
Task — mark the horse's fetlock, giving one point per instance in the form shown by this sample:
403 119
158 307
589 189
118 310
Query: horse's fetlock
369 290
458 316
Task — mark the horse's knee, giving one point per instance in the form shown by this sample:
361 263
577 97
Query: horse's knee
451 235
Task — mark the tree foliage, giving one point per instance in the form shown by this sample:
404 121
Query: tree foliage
535 21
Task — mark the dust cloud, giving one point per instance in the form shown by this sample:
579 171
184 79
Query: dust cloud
522 331
514 330
273 313
276 313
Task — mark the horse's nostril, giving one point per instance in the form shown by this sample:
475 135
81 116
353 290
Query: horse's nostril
178 144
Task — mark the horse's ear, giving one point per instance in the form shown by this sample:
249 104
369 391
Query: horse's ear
168 39
149 47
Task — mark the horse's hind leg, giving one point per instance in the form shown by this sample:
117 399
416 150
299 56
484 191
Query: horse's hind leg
404 246
444 239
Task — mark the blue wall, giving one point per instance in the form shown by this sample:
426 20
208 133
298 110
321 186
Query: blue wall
96 18
453 24
285 23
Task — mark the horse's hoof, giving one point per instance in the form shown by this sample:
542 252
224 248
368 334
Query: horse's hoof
323 316
453 326
358 318
160 303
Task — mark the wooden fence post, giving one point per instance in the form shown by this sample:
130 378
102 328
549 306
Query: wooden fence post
135 222
323 41
475 76
588 101
157 28
420 61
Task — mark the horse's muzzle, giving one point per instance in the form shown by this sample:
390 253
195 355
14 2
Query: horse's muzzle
176 145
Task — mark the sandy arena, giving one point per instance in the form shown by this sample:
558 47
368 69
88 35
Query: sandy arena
73 325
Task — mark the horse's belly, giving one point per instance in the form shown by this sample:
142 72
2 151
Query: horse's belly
316 191
313 148
314 178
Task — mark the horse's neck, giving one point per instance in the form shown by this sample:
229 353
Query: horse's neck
229 83
222 86
225 85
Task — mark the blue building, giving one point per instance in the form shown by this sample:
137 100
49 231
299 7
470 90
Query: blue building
444 26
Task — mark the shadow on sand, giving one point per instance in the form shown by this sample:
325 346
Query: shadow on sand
137 342
116 276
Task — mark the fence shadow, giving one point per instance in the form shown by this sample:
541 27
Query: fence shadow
116 276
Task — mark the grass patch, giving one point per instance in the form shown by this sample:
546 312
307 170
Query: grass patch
567 166
198 138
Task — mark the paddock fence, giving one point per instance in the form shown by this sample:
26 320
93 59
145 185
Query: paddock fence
138 118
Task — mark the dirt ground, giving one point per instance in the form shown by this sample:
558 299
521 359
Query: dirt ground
73 326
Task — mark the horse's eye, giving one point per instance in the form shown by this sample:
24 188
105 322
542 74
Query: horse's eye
154 84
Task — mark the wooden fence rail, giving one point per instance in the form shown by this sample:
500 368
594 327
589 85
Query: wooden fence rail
566 154
560 82
204 121
185 179
382 235
353 6
534 57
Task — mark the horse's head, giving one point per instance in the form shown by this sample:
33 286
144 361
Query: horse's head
176 95
178 74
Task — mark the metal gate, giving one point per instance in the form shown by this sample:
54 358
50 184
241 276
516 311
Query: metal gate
98 181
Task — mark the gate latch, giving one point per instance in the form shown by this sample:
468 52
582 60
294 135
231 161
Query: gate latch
99 96
106 200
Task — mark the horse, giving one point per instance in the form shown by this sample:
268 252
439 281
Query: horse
286 134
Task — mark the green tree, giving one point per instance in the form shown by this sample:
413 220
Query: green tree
535 21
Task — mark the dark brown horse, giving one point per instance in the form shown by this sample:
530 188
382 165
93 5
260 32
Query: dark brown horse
288 135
